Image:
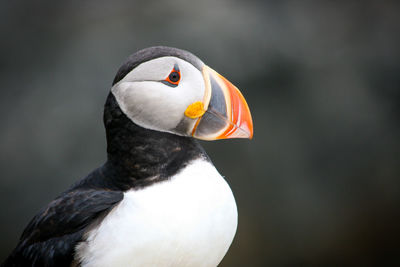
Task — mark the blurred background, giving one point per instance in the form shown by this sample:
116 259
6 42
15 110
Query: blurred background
320 182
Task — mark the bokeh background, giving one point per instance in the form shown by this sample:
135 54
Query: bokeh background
320 182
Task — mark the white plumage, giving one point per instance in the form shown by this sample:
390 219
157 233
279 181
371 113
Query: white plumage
188 220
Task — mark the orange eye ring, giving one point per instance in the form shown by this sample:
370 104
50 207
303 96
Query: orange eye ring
174 77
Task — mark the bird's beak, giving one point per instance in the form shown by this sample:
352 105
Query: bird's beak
223 113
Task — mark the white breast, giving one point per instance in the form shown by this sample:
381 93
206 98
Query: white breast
189 220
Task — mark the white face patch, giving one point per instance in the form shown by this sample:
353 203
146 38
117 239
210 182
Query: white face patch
154 105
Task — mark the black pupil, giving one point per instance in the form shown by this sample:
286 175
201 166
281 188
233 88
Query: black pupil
174 76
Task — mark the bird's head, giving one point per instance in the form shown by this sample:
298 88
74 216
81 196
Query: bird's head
171 90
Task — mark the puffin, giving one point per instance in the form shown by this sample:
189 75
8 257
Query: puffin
158 200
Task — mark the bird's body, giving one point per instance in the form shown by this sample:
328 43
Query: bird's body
158 200
192 216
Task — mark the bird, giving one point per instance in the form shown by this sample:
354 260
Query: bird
158 200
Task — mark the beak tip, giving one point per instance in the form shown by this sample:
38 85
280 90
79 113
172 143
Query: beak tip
251 131
251 135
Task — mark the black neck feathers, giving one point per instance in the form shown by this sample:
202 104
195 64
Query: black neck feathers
137 156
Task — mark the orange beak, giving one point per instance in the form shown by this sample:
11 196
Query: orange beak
226 115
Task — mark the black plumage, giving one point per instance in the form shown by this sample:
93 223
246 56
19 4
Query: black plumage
142 156
51 236
137 157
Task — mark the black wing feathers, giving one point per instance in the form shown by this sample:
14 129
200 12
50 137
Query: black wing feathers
51 236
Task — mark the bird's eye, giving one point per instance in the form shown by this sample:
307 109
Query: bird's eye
173 78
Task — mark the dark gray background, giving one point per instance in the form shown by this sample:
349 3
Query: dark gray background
319 184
